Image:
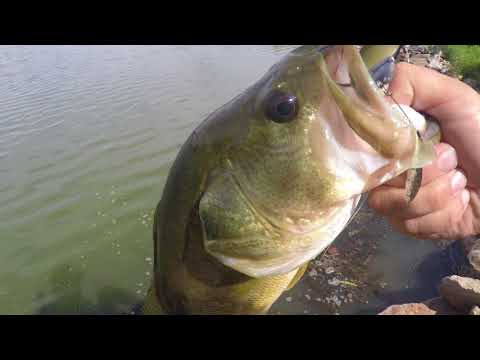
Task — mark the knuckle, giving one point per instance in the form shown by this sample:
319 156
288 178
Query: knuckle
411 226
456 212
387 201
376 201
434 201
435 196
458 229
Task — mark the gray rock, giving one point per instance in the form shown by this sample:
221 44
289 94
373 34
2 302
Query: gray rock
440 306
471 248
474 255
462 293
329 270
436 62
421 60
475 311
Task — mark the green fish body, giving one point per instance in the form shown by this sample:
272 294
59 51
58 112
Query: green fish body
270 179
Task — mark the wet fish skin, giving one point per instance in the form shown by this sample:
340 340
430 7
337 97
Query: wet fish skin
252 197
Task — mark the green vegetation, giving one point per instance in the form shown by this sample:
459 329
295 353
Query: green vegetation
465 59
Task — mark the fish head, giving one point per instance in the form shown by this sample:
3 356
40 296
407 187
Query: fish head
318 134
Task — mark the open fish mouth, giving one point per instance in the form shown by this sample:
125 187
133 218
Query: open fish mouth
363 104
355 87
380 66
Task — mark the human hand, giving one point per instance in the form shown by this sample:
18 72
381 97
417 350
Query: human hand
447 205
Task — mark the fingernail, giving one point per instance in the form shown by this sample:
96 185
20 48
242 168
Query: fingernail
447 159
459 181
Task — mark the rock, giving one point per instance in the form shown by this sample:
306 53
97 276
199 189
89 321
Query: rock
475 311
329 270
435 60
333 282
424 56
460 292
474 255
471 249
408 309
440 306
313 273
421 60
435 306
464 259
474 259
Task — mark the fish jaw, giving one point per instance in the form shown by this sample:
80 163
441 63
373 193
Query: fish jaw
298 249
367 112
369 139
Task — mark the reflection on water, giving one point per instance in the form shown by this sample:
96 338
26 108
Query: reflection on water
87 136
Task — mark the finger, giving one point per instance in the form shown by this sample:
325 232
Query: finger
391 201
445 162
431 92
454 104
442 224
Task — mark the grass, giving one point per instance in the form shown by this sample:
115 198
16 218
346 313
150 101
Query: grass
465 59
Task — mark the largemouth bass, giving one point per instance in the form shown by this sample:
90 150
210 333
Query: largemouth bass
270 179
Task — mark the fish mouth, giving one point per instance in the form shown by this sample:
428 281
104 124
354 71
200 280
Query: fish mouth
353 91
346 69
362 103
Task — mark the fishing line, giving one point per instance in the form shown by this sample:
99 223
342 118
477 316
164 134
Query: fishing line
388 93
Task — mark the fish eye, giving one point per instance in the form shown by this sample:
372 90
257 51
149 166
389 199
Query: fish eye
281 107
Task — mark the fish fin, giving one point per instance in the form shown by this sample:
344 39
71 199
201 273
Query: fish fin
358 204
298 275
151 305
